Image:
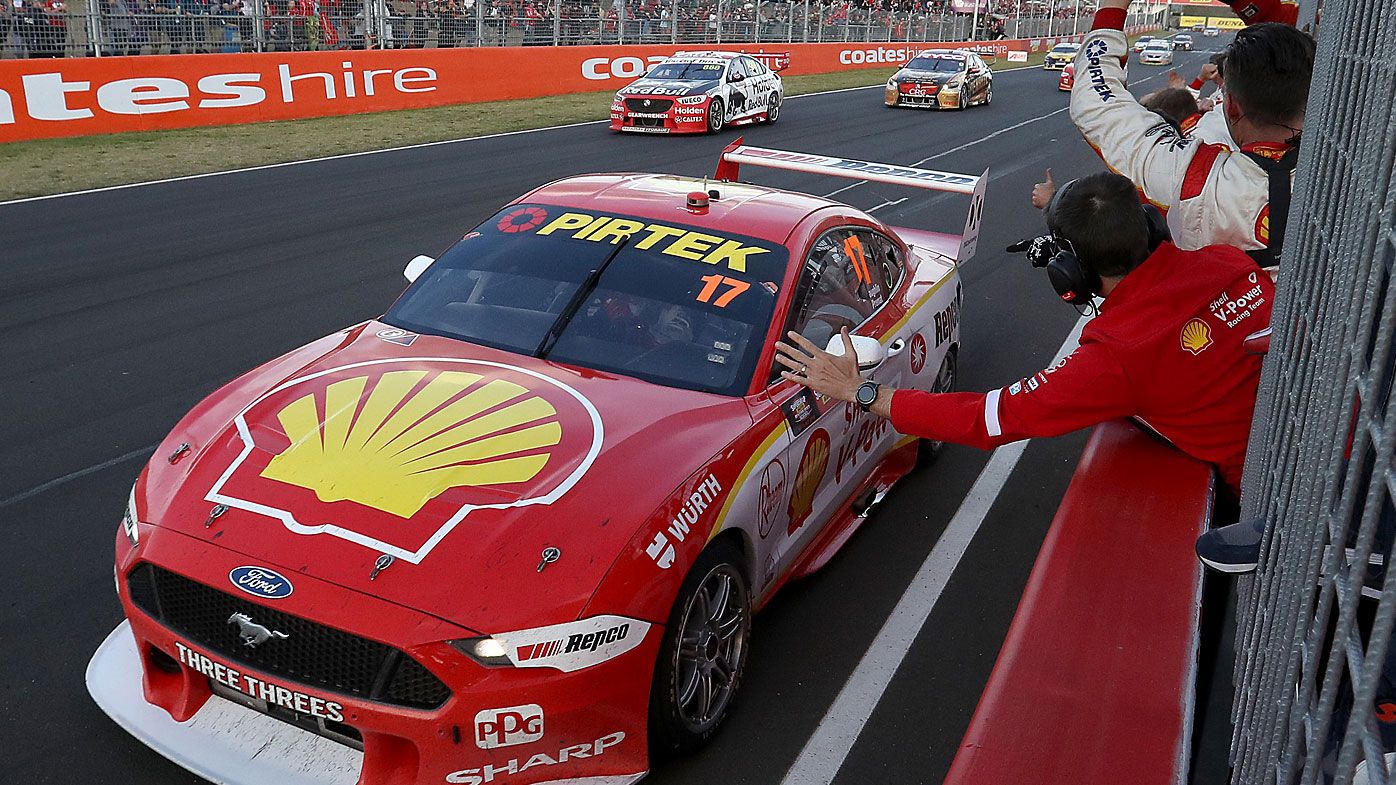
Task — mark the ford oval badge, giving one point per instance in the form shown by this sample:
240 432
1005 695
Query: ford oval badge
261 582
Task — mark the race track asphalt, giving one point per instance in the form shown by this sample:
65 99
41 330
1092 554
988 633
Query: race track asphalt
120 309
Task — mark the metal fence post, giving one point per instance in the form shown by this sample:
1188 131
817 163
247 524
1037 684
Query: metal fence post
94 26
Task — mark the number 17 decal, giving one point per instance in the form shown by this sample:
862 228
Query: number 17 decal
710 284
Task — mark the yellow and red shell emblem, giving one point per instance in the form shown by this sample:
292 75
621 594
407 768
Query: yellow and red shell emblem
808 477
1262 226
393 454
1196 336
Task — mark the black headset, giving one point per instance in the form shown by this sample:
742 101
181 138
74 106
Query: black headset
1073 280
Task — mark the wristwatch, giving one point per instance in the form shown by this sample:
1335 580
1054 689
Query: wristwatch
866 395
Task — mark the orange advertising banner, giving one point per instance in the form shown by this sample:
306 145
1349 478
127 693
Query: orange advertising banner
75 97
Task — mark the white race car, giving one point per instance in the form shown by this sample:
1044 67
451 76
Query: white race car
697 92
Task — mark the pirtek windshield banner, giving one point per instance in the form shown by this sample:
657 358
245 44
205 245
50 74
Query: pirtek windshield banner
41 99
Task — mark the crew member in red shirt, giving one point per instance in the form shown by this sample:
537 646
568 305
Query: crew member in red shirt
1166 347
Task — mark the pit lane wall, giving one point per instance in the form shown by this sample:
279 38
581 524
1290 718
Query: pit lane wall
42 99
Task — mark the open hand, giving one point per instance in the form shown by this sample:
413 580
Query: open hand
836 377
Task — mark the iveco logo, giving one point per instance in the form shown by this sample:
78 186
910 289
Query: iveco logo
252 634
261 582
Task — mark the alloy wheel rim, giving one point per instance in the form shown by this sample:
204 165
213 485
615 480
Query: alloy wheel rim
712 647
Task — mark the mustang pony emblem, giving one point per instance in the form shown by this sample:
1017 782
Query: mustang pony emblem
253 634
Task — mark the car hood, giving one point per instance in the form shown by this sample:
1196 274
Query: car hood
928 77
663 89
461 462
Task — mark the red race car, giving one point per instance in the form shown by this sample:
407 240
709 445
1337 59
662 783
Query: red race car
702 92
515 529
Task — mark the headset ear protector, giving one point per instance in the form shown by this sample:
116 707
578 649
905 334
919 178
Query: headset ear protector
1073 280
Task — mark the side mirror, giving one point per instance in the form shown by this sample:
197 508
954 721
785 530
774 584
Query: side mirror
869 352
416 267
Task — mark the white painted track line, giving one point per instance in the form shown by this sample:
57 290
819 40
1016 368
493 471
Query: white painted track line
823 755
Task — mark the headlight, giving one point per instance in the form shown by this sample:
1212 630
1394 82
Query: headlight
951 84
566 647
617 99
694 99
129 519
892 84
486 651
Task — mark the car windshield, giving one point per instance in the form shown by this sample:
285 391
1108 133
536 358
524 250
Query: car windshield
687 72
1064 49
947 65
1160 45
675 305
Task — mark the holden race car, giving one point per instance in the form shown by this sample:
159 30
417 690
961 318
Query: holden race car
515 529
1183 41
1141 42
1060 56
941 78
702 92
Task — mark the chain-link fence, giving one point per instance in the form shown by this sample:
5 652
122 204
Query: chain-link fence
53 28
1315 671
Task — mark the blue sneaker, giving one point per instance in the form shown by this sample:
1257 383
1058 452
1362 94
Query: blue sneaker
1233 549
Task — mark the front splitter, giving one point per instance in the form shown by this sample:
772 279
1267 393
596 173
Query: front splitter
225 743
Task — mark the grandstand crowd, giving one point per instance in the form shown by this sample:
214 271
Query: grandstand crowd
51 28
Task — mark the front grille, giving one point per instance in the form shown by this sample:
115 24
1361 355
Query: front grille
648 105
312 654
647 122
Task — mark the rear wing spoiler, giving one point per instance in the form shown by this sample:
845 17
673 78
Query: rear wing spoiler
776 61
735 154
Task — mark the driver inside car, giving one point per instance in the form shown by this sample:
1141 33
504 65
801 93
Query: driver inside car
833 304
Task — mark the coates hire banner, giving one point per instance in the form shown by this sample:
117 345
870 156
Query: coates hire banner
51 98
42 99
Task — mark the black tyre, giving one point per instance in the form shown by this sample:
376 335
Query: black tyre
717 116
773 108
703 655
989 94
927 451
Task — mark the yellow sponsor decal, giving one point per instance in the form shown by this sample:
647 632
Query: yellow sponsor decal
669 240
1219 22
404 442
1196 337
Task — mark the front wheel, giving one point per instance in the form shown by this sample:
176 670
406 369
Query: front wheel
773 110
717 116
703 655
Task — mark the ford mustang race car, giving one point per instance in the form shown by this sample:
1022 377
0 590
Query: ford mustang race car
514 530
943 78
698 92
1060 56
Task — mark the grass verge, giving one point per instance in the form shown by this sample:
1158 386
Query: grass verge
50 166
